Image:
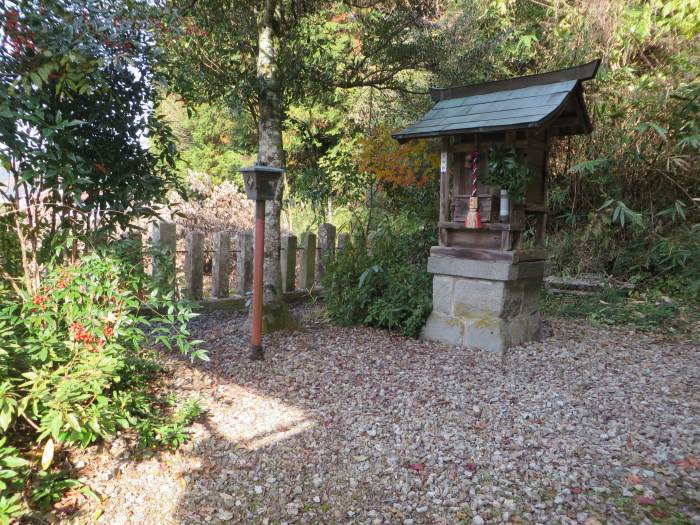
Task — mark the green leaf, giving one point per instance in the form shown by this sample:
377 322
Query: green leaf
73 422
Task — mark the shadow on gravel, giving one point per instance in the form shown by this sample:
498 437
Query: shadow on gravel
305 435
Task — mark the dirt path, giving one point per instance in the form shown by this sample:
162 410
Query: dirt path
354 425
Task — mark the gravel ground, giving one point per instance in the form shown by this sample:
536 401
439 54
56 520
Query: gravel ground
355 425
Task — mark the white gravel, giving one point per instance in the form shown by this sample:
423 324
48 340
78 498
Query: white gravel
354 425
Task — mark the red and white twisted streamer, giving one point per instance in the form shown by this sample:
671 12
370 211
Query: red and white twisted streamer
475 172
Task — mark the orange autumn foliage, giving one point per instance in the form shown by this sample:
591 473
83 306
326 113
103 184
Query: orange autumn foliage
412 163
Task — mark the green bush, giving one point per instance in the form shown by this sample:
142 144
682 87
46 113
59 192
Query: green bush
381 280
73 365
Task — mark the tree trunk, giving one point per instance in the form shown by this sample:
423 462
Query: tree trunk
270 149
271 153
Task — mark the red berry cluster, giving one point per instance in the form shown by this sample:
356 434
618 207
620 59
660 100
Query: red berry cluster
80 334
91 342
40 300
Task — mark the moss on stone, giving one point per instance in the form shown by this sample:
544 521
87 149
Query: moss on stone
276 316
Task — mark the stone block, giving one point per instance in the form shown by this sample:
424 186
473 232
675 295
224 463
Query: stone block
221 264
476 296
326 249
443 328
289 262
491 270
489 305
164 238
343 242
443 288
194 265
518 330
244 263
486 333
532 290
532 269
308 261
513 299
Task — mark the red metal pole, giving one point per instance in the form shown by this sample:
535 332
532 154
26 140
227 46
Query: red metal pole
256 350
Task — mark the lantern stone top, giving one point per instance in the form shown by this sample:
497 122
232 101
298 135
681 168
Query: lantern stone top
261 181
552 100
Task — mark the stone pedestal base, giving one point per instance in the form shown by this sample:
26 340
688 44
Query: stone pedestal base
484 304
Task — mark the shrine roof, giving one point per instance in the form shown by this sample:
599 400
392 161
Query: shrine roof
553 99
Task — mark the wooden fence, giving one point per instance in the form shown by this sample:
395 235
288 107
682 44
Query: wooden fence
303 261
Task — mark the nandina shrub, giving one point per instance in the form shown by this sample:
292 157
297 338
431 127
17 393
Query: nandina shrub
73 357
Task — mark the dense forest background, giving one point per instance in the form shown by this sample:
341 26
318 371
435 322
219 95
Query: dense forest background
624 200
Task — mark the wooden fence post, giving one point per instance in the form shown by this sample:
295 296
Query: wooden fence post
289 262
163 237
245 262
308 261
221 264
194 265
326 249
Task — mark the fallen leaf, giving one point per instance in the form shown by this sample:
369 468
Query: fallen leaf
418 467
471 467
480 425
359 459
327 423
644 500
689 463
576 490
629 445
249 465
47 455
634 480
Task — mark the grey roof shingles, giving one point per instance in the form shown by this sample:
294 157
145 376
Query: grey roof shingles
524 106
521 102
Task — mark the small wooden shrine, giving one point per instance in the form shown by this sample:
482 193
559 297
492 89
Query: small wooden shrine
490 262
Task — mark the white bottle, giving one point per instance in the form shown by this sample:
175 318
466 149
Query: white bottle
503 213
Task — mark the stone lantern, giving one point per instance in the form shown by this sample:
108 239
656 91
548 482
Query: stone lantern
260 185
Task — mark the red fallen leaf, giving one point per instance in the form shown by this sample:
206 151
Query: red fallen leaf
327 423
658 514
688 463
418 467
471 466
635 480
643 500
480 425
629 445
576 490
